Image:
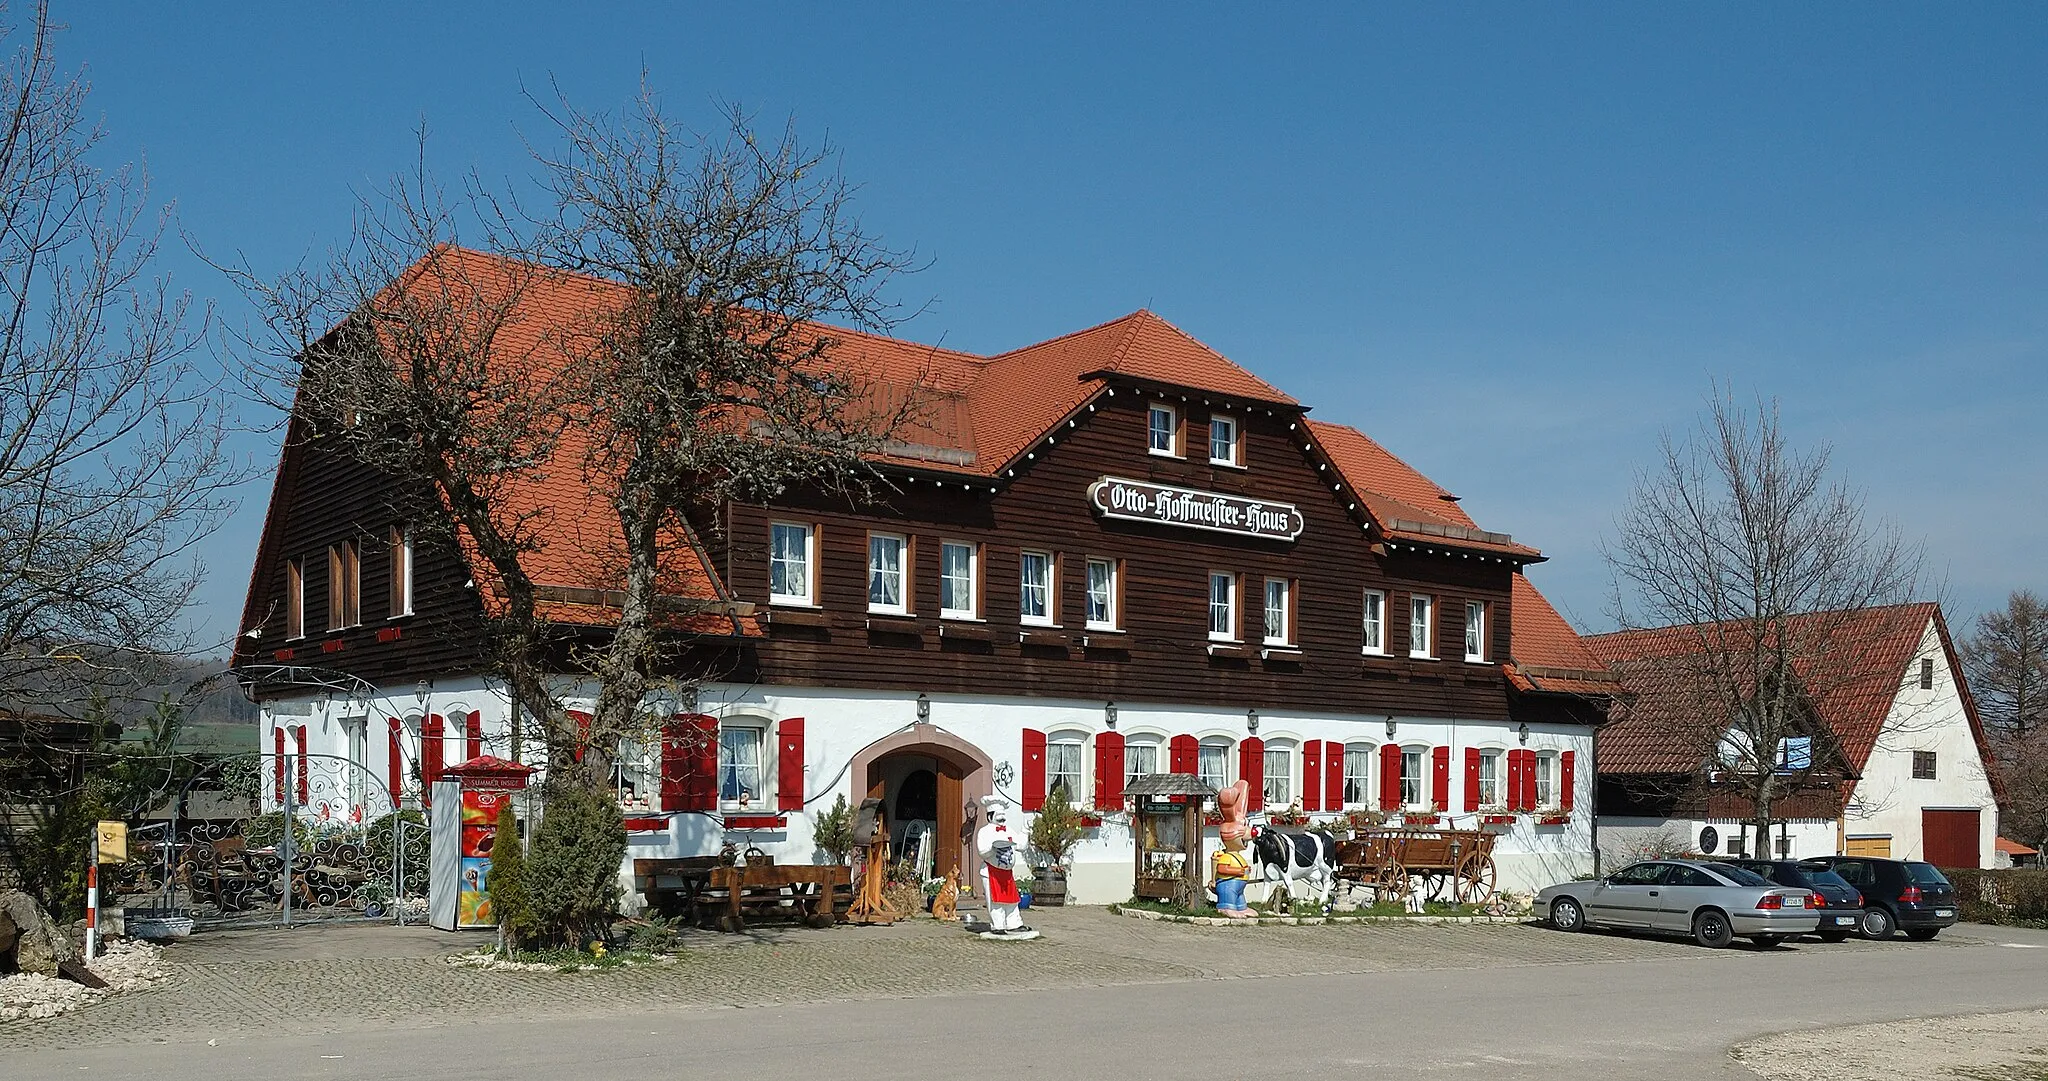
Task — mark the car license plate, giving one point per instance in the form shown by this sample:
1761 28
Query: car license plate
1944 913
1845 921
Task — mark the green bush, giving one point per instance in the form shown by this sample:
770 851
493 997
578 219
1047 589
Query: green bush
833 831
572 874
1056 828
2017 895
511 905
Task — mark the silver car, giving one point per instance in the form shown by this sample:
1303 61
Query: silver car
1715 903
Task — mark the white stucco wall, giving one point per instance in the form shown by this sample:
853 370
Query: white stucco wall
840 723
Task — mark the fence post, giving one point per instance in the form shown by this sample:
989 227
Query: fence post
284 845
92 899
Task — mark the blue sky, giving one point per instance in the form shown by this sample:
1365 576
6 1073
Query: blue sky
1514 243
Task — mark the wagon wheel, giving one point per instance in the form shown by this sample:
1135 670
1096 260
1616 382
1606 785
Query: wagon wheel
1390 882
1434 880
1476 878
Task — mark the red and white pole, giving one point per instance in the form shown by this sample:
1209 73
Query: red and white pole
92 901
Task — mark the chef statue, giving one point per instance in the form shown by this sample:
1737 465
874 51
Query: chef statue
1230 865
998 848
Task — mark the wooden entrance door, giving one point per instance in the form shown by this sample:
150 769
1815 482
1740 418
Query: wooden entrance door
947 845
1949 838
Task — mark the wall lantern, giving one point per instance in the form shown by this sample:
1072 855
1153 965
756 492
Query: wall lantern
1109 714
924 707
1251 721
1390 727
1522 730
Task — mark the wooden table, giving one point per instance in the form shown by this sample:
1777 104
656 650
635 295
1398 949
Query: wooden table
758 889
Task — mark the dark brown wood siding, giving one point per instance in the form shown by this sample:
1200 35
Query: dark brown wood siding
1163 655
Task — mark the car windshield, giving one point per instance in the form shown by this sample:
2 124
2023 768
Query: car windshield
1821 876
1738 875
1924 874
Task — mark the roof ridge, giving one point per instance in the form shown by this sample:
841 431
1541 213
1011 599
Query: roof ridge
1105 324
1930 608
1314 422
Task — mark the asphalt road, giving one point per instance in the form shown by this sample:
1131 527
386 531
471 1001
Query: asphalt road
1668 1017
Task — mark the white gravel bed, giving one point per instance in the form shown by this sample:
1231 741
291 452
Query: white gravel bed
126 966
1988 1047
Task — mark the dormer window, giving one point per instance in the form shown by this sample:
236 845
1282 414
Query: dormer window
1224 444
1162 427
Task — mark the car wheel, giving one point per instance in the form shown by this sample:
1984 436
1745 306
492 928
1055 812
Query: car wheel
1711 929
1923 934
1769 942
1566 915
1877 924
1833 936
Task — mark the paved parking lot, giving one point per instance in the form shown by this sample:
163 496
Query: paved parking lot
273 993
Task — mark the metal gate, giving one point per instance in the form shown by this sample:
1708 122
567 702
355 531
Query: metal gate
260 839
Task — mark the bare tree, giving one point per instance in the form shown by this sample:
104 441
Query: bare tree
1763 568
692 365
2007 663
112 462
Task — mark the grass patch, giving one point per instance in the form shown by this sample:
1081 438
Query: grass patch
1304 909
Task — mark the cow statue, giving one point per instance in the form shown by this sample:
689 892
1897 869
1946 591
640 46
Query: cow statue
1287 858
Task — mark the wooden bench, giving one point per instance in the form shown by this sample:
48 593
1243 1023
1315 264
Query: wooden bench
672 887
806 892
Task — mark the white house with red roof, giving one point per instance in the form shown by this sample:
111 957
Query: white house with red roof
1105 555
1912 781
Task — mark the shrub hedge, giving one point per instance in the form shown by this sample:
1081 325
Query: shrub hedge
2017 896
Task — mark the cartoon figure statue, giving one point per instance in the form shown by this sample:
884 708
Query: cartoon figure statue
1230 866
998 848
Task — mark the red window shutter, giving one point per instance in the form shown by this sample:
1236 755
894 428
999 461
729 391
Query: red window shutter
702 792
1033 780
277 738
1390 777
1312 775
1182 755
1524 780
1565 766
789 764
1109 771
1251 769
1514 780
305 786
1471 778
583 724
1440 778
473 729
395 762
1333 776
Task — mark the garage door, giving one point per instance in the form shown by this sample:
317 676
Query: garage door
1949 838
1880 847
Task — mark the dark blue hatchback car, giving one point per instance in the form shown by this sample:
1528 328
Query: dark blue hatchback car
1842 904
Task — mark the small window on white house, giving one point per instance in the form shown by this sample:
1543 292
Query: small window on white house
1035 588
1489 779
886 583
1212 764
1279 612
1063 757
1102 591
1420 610
1223 441
1923 765
959 571
1222 607
1546 782
1413 787
1162 430
1141 759
1358 770
792 554
1475 631
636 772
1375 621
1926 673
1279 780
740 766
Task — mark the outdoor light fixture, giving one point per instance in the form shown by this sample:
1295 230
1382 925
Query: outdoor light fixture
688 698
1390 727
1109 714
426 687
1523 731
924 707
1251 721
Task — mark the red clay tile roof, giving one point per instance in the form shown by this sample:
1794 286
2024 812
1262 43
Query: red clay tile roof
1665 669
1404 504
1548 653
2014 848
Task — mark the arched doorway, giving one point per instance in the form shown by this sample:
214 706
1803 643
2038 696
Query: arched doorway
896 770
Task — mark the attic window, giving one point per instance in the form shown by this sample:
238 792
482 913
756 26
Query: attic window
1923 765
1162 430
1926 673
1224 444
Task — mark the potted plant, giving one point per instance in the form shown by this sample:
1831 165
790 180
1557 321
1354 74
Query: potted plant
1365 818
1496 815
1552 817
1418 818
1054 832
833 832
1027 891
1287 817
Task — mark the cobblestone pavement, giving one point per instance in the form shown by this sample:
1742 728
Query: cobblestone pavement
341 978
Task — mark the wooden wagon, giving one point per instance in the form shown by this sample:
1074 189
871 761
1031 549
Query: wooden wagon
1449 865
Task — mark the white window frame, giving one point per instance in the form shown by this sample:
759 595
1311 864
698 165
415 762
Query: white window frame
1421 802
1497 758
1060 743
1426 604
762 767
639 763
1286 635
973 609
1219 748
1546 763
1048 589
1109 605
1229 607
1154 748
809 597
1235 446
1373 623
878 543
1365 776
1277 786
1475 632
1152 410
